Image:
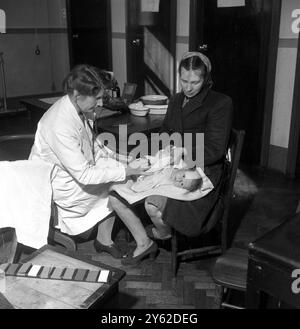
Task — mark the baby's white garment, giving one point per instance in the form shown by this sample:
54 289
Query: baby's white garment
144 183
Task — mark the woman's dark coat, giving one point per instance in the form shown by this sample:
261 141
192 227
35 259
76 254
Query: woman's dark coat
210 113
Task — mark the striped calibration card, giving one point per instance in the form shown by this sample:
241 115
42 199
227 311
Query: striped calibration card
34 270
103 276
55 273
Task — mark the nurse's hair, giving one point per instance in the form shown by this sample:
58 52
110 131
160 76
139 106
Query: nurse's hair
86 79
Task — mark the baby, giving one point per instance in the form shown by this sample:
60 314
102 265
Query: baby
188 179
164 171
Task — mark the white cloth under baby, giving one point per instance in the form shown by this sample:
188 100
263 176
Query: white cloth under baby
170 191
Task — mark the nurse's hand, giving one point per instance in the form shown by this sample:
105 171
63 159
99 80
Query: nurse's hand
138 167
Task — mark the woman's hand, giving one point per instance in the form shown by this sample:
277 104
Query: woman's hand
177 153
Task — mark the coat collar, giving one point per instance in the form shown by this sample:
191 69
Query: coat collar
195 102
71 111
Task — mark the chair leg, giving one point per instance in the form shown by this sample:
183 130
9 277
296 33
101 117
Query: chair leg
219 297
62 239
174 254
8 245
18 253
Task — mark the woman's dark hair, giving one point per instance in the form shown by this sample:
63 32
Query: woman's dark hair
85 79
193 63
196 184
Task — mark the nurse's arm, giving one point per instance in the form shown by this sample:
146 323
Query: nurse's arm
66 147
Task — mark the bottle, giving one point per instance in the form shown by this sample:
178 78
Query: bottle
118 90
115 90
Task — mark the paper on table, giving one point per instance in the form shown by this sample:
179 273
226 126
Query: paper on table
231 3
150 5
50 100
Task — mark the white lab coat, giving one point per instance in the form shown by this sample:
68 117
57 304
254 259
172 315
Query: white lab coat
80 186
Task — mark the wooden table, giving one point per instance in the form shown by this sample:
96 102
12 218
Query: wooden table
147 124
124 125
32 293
37 106
272 260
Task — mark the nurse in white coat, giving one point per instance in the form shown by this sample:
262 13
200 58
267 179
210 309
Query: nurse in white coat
85 167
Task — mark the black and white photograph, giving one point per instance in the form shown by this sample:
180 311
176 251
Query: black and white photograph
149 158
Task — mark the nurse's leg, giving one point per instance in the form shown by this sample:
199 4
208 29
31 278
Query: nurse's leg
161 229
103 240
105 228
133 223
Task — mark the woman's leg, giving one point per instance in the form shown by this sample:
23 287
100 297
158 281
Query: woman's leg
133 223
161 230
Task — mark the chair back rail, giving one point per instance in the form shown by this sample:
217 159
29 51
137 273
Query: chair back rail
236 141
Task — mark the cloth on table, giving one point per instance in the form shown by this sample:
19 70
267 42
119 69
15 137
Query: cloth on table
26 195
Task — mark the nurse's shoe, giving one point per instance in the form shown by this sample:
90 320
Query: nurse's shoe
112 249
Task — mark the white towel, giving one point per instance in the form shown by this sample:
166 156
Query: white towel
25 200
170 191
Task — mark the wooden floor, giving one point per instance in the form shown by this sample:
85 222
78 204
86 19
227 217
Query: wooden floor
263 199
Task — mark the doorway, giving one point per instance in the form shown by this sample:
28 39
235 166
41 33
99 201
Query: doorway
151 47
293 158
237 41
89 30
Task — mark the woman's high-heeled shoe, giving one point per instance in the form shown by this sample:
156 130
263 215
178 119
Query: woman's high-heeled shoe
111 249
150 230
150 252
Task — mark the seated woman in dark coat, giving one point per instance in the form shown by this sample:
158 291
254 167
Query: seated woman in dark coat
196 109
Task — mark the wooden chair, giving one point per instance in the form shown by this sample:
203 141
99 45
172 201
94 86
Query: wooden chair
17 147
219 215
230 274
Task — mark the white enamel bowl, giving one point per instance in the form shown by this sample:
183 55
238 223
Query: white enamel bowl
154 100
138 109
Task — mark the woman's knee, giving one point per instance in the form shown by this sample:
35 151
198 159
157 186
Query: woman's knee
152 210
115 202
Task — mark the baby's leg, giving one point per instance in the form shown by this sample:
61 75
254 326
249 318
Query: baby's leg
154 209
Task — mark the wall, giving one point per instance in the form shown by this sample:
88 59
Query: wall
182 40
118 21
118 12
28 24
284 87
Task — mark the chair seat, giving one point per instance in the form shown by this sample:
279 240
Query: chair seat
230 269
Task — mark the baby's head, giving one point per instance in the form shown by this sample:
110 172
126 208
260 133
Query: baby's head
189 179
